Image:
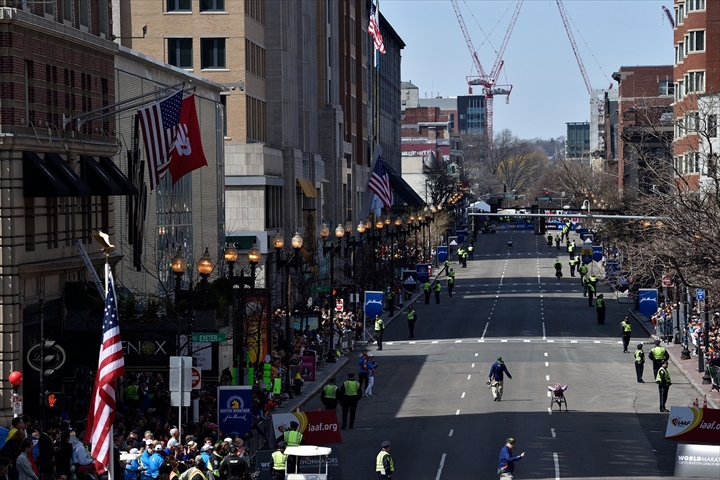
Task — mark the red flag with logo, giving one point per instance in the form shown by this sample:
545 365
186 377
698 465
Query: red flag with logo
188 153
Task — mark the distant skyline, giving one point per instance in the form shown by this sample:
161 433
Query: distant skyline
548 89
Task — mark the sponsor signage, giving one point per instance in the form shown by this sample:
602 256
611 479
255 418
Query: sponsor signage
233 406
700 294
424 271
373 304
597 254
693 424
308 465
701 461
307 365
648 300
318 427
442 253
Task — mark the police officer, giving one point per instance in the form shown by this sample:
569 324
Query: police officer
446 263
573 263
464 258
663 380
293 437
350 395
658 355
558 268
379 329
626 332
591 289
233 466
390 297
470 250
460 255
329 395
639 363
571 248
412 318
585 281
582 270
450 284
550 239
557 241
279 459
437 289
600 307
426 289
384 462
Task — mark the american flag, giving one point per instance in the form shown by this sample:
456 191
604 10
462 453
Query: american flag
374 29
159 124
111 367
380 183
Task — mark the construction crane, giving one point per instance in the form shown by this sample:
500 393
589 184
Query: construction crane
488 81
669 16
571 37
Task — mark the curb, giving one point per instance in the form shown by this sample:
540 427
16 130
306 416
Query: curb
675 361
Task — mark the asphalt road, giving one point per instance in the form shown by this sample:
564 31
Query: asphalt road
432 403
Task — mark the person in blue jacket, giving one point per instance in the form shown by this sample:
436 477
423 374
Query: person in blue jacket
506 461
495 379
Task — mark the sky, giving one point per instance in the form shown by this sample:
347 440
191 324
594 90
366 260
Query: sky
548 88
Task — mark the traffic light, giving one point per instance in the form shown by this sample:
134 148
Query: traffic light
55 401
49 358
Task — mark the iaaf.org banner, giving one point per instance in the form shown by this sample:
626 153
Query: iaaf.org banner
318 428
693 425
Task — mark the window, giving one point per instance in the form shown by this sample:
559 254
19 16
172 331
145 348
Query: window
692 121
254 58
679 52
696 41
103 18
179 5
49 9
712 126
212 53
680 14
695 82
84 13
212 5
180 52
255 9
695 5
666 87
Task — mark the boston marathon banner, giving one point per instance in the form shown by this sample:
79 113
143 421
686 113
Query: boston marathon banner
234 416
693 425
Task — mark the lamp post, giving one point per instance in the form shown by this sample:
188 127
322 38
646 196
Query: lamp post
15 378
190 297
332 250
292 260
239 283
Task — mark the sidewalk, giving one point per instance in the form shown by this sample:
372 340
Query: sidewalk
689 367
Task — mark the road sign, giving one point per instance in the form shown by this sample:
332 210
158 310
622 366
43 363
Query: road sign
547 199
17 404
180 380
667 281
196 379
209 337
700 294
339 305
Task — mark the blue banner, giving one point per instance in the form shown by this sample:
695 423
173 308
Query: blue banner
597 253
648 301
234 416
373 304
423 273
442 253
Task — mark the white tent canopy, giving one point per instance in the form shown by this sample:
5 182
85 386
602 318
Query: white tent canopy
480 205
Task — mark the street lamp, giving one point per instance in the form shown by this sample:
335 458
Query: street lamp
332 250
192 298
241 281
292 260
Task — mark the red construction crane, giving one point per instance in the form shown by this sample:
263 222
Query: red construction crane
488 82
571 37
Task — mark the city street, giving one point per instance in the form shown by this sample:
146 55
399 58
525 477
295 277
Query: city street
431 400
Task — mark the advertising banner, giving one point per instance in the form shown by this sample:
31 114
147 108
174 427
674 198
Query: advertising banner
373 304
693 424
597 253
423 272
233 408
308 465
409 282
442 253
307 365
318 427
701 461
648 301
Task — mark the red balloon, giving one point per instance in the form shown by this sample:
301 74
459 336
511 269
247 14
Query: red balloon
15 378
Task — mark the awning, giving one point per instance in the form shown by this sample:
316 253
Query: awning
39 180
97 179
126 186
307 187
402 189
75 185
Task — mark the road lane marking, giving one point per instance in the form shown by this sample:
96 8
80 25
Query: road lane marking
442 464
458 341
526 341
547 364
469 377
435 341
451 432
476 354
546 354
552 432
485 331
412 343
544 333
503 341
547 377
472 365
463 395
557 466
457 412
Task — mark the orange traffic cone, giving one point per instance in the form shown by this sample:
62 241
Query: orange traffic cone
695 403
704 401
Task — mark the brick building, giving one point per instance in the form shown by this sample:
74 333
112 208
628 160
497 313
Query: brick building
644 121
697 80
